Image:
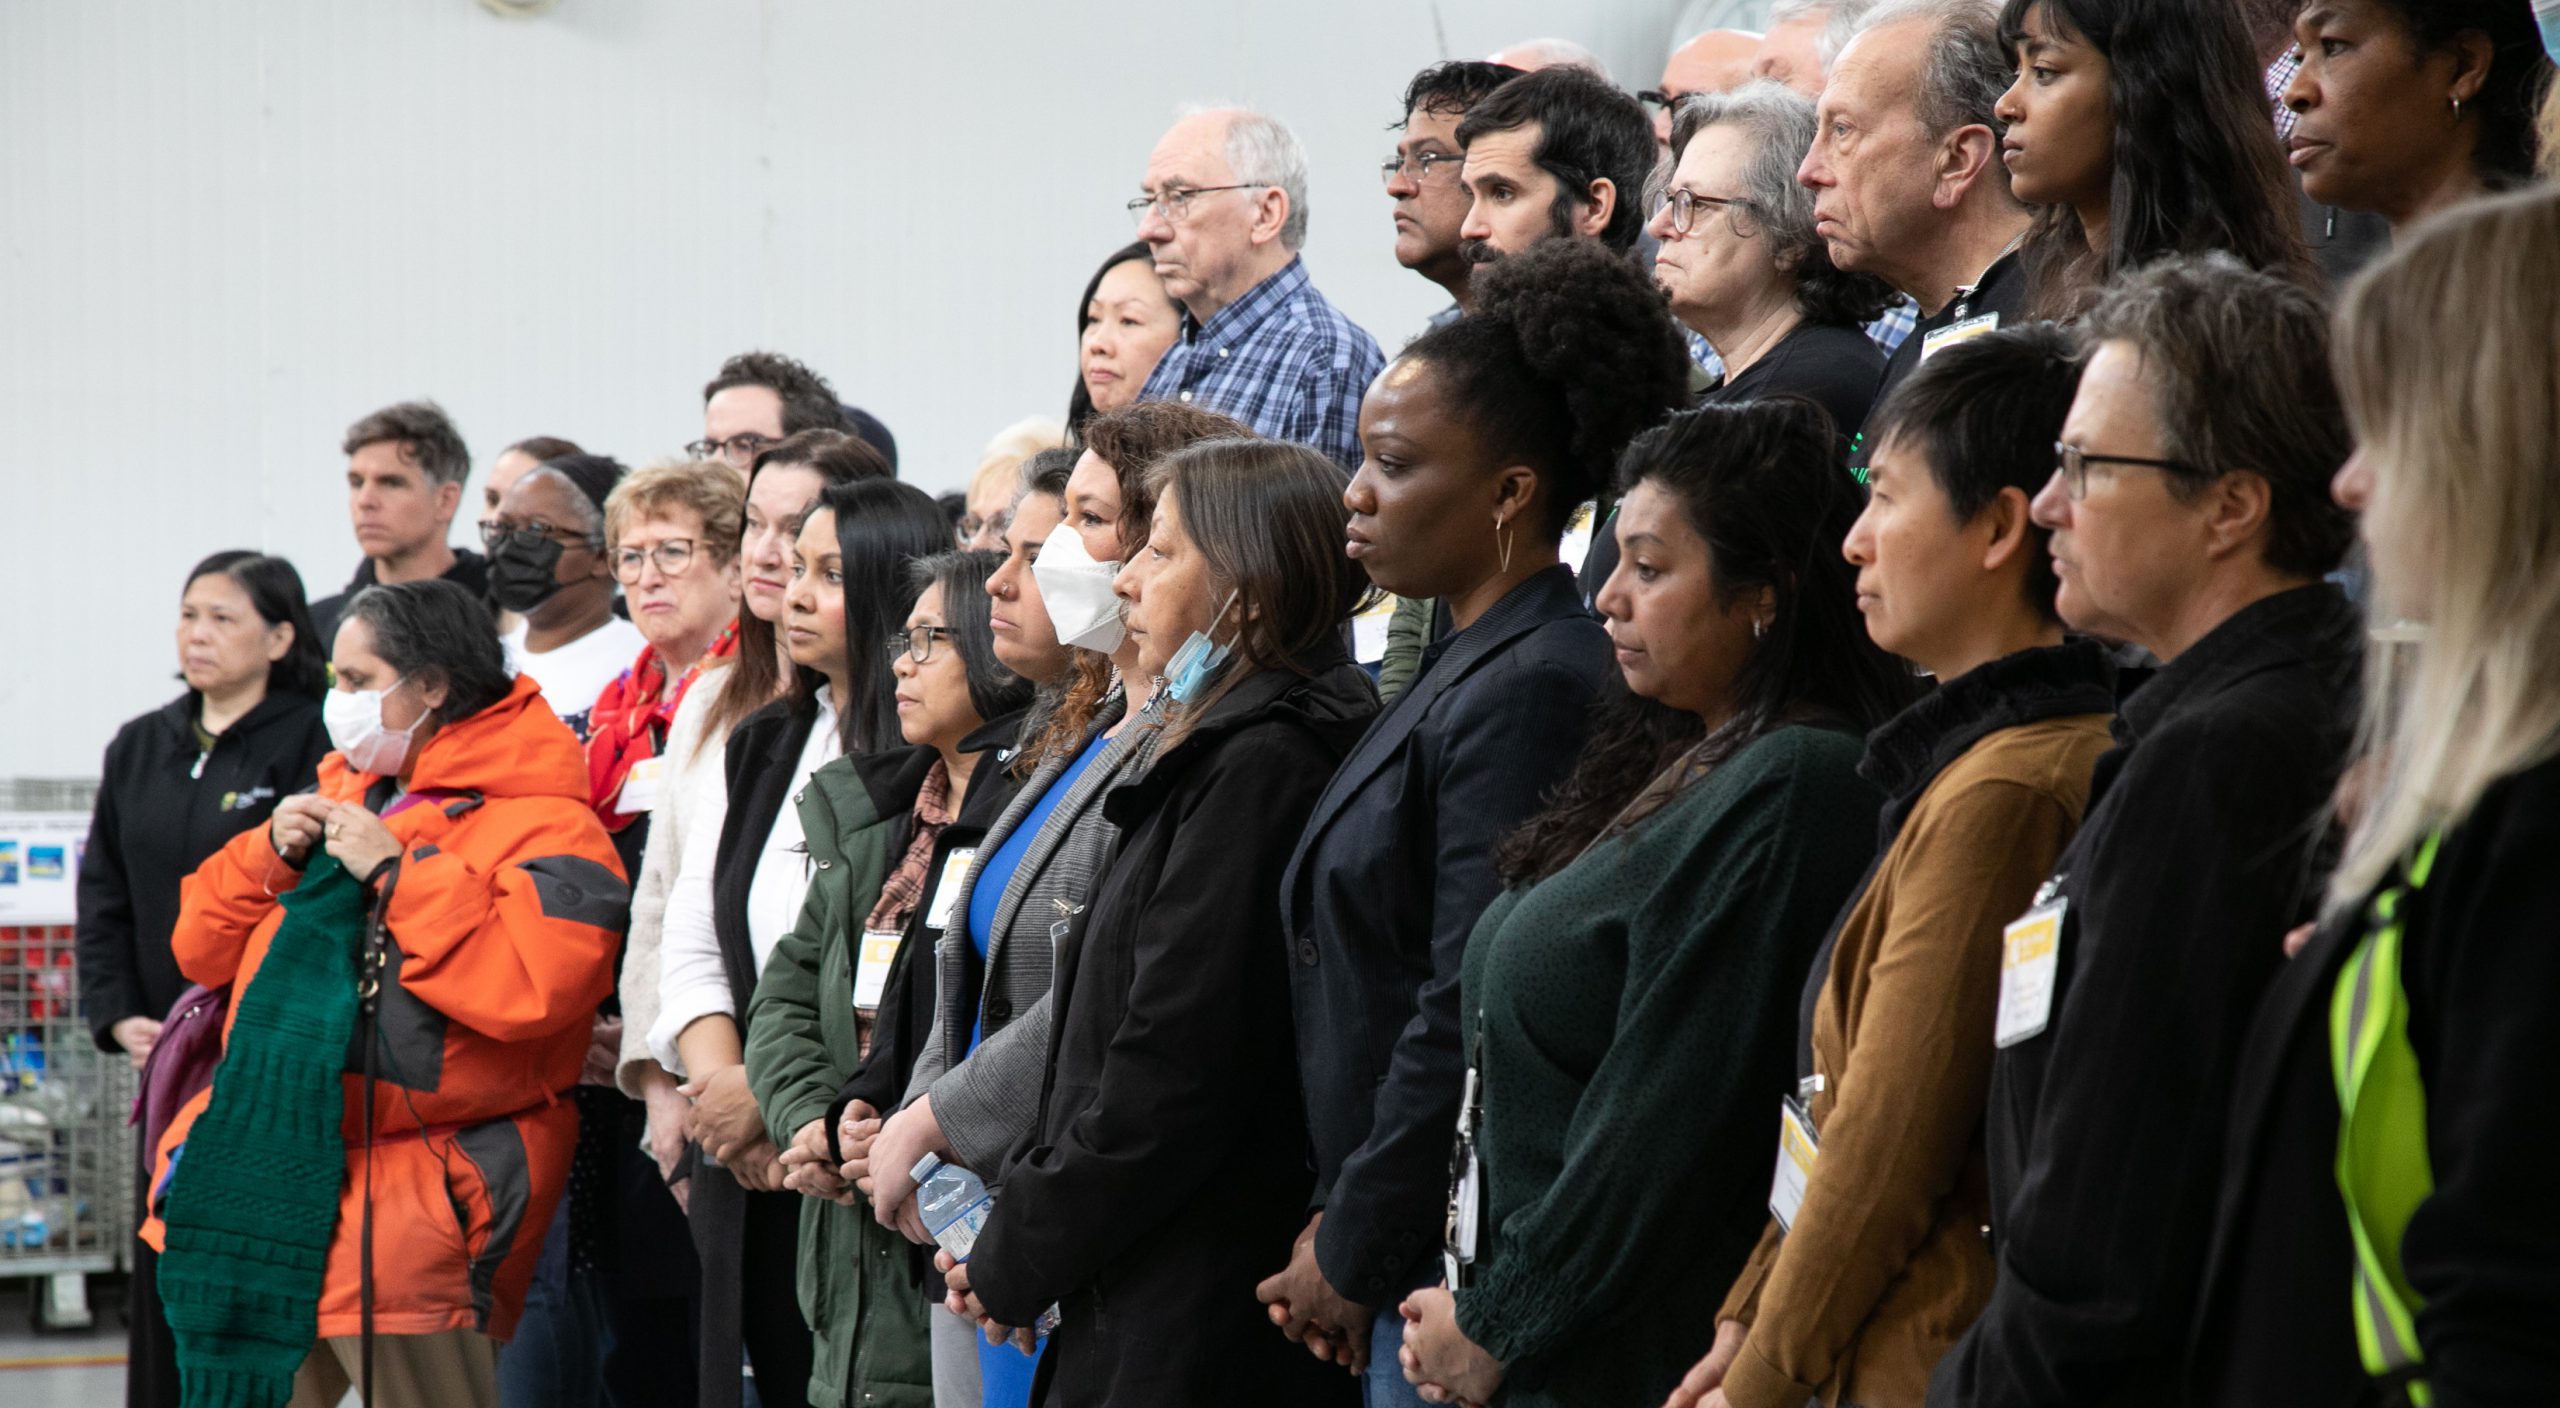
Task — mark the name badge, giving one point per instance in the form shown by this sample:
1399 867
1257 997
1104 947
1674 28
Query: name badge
639 787
1961 330
946 888
871 968
2030 952
1797 1149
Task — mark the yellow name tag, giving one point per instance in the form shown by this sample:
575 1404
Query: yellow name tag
2030 954
871 970
1961 330
1797 1149
946 887
640 787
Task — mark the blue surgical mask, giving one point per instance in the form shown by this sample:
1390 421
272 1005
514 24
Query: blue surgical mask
1192 667
2546 13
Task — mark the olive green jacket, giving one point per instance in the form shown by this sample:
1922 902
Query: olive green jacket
866 1314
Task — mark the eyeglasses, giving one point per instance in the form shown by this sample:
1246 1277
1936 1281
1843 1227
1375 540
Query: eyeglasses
1174 202
916 642
494 531
1684 205
971 525
2072 463
672 556
740 449
1420 165
1657 98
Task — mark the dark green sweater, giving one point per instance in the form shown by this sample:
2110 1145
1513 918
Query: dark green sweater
1638 1020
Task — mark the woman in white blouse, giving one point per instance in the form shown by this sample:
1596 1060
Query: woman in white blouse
740 889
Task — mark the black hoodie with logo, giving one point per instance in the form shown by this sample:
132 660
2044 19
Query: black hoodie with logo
165 802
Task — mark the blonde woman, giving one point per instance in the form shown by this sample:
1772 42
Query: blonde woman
2386 1220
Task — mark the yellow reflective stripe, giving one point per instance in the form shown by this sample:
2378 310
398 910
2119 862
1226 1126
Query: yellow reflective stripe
2383 1169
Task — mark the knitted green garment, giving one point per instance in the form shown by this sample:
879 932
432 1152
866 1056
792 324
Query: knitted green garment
253 1196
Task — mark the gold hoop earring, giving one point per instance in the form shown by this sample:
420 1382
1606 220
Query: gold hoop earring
2457 109
1504 539
1759 628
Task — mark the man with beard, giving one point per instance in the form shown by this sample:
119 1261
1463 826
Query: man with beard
1559 153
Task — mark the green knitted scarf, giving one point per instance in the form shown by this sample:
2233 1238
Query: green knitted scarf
253 1196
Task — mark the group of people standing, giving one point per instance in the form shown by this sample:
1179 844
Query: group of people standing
1951 812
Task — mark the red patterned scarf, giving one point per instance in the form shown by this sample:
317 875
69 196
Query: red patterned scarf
629 722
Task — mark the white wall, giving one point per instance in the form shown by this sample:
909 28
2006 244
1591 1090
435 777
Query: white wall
230 227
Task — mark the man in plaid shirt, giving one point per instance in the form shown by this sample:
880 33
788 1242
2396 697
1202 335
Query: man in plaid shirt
1224 209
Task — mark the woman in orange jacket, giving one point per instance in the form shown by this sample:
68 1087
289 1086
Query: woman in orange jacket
468 966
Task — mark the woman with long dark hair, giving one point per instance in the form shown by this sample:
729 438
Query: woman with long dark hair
882 827
976 1085
849 590
2140 127
179 782
1123 326
1628 1002
1157 1187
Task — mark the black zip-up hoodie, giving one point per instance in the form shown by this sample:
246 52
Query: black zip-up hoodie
164 804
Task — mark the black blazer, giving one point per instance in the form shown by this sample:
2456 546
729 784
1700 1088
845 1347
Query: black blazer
1167 1173
1378 901
761 764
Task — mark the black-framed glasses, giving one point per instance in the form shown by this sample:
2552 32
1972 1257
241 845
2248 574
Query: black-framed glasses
916 642
495 531
1419 166
2072 463
1657 98
673 557
1684 205
1174 202
740 449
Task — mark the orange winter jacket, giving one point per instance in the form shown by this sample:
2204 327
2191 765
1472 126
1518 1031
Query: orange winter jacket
502 917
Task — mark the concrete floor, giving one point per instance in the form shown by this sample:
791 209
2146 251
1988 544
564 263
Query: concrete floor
60 1368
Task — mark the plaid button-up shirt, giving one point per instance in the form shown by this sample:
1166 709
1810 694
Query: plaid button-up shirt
1282 360
2279 76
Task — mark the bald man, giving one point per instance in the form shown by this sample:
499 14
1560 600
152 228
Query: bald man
1717 61
1791 52
1223 209
1531 55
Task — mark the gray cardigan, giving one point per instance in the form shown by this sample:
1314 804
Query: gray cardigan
986 1101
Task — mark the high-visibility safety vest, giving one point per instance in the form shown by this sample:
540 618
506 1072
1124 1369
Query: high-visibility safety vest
2383 1168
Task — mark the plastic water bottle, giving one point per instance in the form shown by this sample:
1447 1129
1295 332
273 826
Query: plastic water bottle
954 1204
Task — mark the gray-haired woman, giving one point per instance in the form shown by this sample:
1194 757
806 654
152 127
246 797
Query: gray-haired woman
1744 268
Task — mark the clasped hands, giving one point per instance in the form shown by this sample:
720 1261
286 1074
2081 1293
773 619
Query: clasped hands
356 837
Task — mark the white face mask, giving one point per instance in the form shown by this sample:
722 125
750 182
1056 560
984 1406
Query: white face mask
354 721
1077 591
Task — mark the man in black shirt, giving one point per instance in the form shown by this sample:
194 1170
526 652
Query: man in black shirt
405 467
1906 171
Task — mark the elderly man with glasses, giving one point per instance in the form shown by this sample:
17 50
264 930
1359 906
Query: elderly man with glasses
1223 209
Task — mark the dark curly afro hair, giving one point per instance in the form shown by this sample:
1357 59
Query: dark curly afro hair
1569 353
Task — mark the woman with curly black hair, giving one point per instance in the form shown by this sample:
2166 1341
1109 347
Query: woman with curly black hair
2140 127
1745 269
1482 440
1628 1003
2404 107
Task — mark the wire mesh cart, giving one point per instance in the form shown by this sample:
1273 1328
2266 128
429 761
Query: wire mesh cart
66 1160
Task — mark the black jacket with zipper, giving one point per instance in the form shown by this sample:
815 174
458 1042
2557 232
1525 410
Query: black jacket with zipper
1167 1173
2203 844
164 804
